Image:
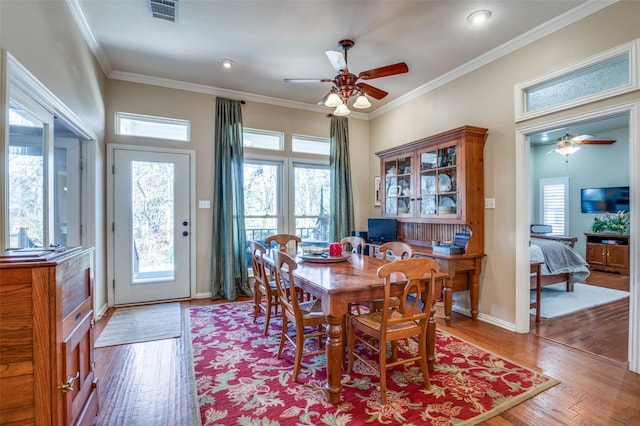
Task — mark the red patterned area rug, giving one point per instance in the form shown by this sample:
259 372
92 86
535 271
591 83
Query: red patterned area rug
239 381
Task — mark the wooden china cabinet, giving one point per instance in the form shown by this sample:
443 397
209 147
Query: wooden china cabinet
435 188
46 337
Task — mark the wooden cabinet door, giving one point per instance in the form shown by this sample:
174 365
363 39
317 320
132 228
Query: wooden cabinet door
596 254
618 256
397 186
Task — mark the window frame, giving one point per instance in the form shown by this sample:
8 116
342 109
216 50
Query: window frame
557 181
149 119
630 49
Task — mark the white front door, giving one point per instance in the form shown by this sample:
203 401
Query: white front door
151 226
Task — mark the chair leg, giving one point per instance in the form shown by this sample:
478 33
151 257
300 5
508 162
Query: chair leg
299 348
268 316
423 362
351 346
283 335
383 374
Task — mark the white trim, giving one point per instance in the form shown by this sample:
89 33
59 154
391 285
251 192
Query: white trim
522 218
110 214
630 49
87 32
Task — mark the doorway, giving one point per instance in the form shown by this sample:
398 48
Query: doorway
152 225
523 208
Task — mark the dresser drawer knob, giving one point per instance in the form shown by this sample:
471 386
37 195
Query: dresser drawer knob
67 387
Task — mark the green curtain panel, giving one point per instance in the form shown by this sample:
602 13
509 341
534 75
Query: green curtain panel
229 276
341 206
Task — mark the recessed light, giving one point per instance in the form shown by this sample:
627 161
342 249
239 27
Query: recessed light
227 63
479 16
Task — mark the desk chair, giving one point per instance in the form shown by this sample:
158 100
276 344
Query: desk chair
390 324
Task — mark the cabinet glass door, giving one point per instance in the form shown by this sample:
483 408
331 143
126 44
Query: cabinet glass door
438 186
397 186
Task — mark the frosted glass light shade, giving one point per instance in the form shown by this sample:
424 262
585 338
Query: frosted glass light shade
341 110
362 102
333 100
567 150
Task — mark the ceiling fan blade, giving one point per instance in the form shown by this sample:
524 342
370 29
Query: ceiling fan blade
308 80
374 92
394 69
597 142
337 59
581 138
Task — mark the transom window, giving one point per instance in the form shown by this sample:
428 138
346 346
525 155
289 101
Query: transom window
152 127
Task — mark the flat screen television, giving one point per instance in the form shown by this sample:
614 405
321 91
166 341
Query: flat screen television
604 200
382 230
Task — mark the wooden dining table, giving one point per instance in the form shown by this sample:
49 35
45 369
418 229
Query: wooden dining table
338 284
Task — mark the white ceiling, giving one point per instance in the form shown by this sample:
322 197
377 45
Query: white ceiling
273 40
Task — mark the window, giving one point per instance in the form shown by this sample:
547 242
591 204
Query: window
152 127
310 145
263 139
44 177
311 202
262 180
554 205
601 76
283 194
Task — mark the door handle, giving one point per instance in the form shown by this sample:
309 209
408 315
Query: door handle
185 233
185 223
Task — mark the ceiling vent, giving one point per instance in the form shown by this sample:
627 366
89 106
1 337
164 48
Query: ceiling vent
164 9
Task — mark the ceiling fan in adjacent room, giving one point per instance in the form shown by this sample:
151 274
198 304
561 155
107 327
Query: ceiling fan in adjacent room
570 144
347 85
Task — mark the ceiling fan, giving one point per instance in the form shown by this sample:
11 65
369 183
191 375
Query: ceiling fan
569 144
347 84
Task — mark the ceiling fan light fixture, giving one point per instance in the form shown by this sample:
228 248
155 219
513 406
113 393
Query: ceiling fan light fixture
362 102
567 149
479 16
333 100
341 110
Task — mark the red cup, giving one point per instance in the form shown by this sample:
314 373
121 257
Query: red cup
335 249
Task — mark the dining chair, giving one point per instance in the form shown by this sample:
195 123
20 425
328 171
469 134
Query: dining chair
283 241
307 317
392 250
265 294
390 325
353 245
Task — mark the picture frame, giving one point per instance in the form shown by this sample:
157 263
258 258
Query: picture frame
376 191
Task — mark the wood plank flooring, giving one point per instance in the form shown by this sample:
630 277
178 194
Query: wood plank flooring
149 383
602 330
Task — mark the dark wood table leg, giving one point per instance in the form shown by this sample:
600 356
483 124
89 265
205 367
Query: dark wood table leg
335 352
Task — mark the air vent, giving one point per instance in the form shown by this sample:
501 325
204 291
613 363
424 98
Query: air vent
164 9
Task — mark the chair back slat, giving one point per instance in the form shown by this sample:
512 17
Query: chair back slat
353 245
282 241
394 250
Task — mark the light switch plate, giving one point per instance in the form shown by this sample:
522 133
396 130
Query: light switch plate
489 203
204 204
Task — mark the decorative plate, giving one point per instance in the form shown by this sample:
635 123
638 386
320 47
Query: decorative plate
444 183
324 259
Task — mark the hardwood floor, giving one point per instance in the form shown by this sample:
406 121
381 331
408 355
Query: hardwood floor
149 383
602 330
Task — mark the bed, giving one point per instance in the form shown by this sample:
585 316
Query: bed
561 263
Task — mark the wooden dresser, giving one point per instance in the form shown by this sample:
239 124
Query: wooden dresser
46 337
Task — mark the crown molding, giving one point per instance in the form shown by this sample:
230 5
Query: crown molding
217 91
559 22
549 27
87 33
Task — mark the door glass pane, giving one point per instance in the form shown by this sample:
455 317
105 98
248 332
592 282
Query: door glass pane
26 179
152 187
311 199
